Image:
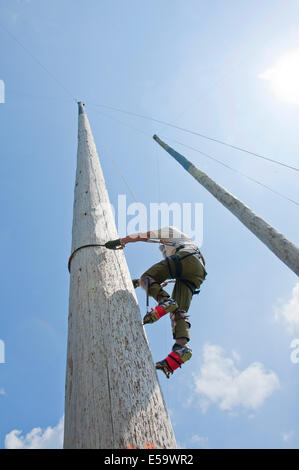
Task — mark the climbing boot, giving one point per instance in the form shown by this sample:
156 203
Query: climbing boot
164 307
179 354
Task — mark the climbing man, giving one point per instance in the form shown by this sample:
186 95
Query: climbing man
183 262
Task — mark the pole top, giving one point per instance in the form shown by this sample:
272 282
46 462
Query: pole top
178 157
160 142
81 107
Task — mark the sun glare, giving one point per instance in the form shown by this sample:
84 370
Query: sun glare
284 77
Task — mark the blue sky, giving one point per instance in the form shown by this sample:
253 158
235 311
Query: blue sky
210 66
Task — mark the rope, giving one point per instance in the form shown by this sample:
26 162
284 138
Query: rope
78 249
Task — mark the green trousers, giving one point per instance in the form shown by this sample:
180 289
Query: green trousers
193 271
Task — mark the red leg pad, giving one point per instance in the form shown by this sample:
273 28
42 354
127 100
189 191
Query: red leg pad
173 361
160 311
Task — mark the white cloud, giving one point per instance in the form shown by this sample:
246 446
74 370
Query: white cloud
2 391
50 438
288 312
220 382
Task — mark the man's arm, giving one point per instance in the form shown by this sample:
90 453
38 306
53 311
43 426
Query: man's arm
166 232
136 237
159 234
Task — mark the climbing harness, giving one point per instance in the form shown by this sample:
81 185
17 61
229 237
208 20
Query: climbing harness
178 268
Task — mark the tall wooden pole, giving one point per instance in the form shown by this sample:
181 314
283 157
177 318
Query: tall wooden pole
113 398
284 249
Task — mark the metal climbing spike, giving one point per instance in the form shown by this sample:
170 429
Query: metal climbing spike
163 367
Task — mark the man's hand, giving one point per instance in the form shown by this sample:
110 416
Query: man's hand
114 244
136 283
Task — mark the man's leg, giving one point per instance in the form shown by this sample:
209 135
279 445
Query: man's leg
180 324
192 271
180 319
155 275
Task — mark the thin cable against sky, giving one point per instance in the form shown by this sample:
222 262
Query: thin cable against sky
38 62
241 149
163 123
208 156
237 171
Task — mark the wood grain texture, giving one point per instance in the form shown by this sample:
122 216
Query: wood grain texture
283 248
112 397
